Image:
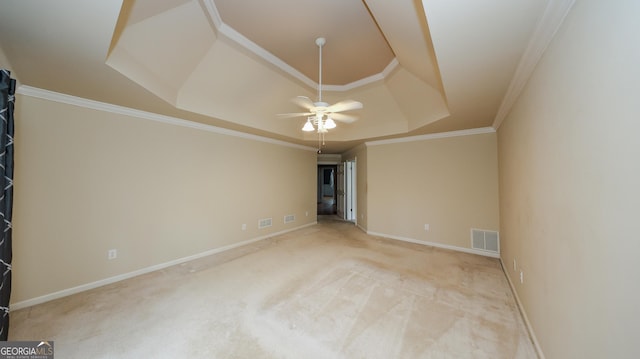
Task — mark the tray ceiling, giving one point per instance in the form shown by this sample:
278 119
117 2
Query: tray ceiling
417 66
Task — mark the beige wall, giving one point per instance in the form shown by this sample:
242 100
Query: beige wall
87 181
569 156
4 64
449 183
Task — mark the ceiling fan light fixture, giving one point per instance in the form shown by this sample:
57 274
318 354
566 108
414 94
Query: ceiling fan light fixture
308 126
329 123
319 112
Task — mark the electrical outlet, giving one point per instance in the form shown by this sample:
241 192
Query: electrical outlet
306 214
112 254
521 277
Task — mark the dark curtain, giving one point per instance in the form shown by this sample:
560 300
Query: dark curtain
7 97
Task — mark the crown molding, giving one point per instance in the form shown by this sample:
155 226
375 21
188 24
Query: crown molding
365 81
243 41
551 20
121 110
433 136
211 12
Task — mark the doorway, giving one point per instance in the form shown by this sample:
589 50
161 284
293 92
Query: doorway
327 190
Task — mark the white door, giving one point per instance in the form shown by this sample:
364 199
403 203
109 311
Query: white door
340 191
350 191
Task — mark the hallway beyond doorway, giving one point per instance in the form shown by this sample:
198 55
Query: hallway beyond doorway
327 205
327 194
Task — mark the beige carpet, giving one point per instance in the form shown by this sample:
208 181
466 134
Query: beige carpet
326 291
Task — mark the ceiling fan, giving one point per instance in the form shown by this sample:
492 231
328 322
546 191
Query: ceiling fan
320 113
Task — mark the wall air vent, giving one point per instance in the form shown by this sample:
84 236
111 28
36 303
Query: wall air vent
289 218
485 240
264 223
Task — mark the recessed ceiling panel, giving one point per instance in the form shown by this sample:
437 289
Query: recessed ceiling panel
355 47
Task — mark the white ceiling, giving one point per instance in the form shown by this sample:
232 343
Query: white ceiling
417 66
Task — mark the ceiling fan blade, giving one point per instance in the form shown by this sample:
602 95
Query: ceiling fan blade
303 102
294 114
346 105
343 118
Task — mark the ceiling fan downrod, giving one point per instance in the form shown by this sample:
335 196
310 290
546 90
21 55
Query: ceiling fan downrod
320 42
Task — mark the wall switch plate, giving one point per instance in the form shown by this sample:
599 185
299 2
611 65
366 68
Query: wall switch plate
515 267
521 277
244 226
112 254
426 227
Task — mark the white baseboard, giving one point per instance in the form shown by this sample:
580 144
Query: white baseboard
532 334
438 245
121 277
